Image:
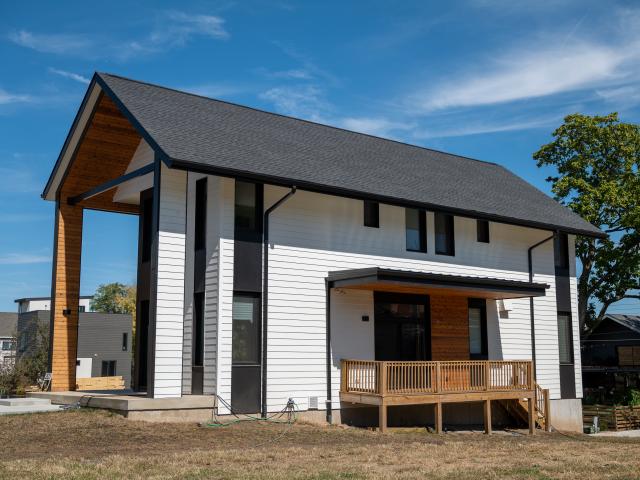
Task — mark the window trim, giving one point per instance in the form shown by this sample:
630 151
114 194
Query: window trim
483 231
450 239
422 225
371 214
480 303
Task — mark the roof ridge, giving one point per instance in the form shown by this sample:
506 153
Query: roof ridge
255 109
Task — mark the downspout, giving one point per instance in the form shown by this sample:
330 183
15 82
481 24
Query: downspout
531 312
327 286
265 292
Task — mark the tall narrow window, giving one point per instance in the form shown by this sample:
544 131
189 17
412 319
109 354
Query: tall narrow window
445 242
246 216
198 329
200 233
125 341
482 227
478 348
561 250
245 335
565 338
416 230
147 226
371 214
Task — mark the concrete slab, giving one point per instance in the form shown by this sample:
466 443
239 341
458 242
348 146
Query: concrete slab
21 402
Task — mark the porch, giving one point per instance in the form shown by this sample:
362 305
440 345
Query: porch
393 383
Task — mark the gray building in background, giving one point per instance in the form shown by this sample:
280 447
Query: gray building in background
104 342
8 321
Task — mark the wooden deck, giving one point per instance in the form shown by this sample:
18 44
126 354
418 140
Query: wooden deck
385 384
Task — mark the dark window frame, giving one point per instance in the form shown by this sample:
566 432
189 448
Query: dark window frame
449 232
242 232
561 253
258 318
200 227
197 359
571 352
109 368
422 225
480 303
483 231
371 214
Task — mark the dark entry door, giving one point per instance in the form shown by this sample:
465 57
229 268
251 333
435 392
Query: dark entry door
402 327
245 353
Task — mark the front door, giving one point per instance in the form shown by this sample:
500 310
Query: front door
402 327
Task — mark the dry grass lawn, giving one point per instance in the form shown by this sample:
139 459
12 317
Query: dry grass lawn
89 444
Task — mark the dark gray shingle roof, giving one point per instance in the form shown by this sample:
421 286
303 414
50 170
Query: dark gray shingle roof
230 138
632 322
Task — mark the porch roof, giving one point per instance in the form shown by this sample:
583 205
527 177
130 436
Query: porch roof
403 281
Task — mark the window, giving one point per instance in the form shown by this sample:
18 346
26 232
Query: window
565 338
478 348
561 250
125 341
371 214
198 329
445 242
416 228
245 330
200 233
482 227
7 345
147 228
629 356
108 368
245 204
81 309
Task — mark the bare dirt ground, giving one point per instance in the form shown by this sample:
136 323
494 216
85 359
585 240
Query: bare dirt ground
90 444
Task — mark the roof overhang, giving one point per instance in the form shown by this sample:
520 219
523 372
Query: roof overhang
402 281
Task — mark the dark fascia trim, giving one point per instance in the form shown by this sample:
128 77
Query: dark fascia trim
111 184
347 278
342 192
134 121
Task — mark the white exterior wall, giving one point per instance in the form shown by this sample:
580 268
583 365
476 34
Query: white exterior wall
170 284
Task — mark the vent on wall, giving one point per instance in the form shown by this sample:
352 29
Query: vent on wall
313 403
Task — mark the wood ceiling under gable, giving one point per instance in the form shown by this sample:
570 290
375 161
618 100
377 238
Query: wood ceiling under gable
104 152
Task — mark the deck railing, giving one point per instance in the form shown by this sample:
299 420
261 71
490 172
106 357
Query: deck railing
416 377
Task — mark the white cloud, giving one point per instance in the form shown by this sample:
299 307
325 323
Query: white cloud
478 128
23 259
73 76
528 73
182 26
375 125
51 43
7 98
293 74
302 101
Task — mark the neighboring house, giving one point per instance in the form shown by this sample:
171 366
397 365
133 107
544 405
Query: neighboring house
31 304
8 321
611 355
104 342
271 249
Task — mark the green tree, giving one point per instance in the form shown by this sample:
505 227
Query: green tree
597 162
114 298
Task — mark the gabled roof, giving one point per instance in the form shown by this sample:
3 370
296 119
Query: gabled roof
221 138
632 322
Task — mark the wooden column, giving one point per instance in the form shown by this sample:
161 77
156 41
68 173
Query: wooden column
532 420
65 296
487 417
547 410
382 417
438 416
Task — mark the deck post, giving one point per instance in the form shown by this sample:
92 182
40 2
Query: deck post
438 417
487 417
344 372
487 375
382 379
382 417
547 410
532 421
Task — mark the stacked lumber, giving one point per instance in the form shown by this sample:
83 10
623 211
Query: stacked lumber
100 383
612 417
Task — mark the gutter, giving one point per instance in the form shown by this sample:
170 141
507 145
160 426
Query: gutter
531 312
265 293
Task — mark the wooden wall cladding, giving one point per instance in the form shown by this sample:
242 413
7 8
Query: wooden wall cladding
105 150
449 328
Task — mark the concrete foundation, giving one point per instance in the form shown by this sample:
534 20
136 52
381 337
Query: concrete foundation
566 415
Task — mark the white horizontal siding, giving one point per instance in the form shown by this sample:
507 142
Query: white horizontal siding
170 284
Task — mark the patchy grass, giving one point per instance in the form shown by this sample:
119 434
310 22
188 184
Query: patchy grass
90 444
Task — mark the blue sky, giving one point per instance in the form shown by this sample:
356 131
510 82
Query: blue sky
489 79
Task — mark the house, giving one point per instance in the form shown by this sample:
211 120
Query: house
8 322
104 342
30 304
283 259
611 356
